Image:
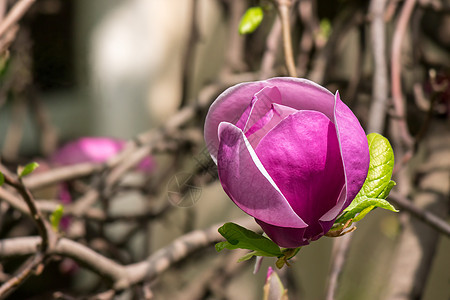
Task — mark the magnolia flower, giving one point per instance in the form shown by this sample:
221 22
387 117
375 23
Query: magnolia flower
289 153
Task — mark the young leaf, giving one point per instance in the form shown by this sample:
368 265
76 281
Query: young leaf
248 256
56 216
380 167
363 207
378 183
251 20
387 190
2 179
240 237
28 169
325 28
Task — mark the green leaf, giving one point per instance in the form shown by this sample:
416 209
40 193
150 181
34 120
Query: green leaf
380 167
325 28
28 169
387 189
248 256
363 207
378 183
240 237
251 20
55 217
2 179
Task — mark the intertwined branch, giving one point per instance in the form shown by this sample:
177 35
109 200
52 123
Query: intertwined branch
315 56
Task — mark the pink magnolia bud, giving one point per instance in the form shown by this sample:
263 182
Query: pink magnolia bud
289 153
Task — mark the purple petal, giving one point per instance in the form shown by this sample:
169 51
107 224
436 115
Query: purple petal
274 116
302 94
302 156
284 236
295 92
248 184
228 107
261 103
242 122
299 94
354 147
327 220
265 98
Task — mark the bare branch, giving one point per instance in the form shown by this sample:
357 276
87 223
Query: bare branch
427 217
123 276
14 15
56 175
34 212
396 88
270 54
341 246
46 240
189 57
308 16
378 107
27 268
284 7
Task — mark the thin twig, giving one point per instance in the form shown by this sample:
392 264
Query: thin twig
59 174
189 57
308 16
45 233
343 22
14 15
284 7
87 212
3 4
427 217
235 46
340 252
396 88
177 250
34 212
15 281
272 46
378 107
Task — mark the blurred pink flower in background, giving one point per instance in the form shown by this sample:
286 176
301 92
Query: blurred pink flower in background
94 149
90 149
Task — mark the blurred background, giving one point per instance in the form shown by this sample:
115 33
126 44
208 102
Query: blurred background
130 69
